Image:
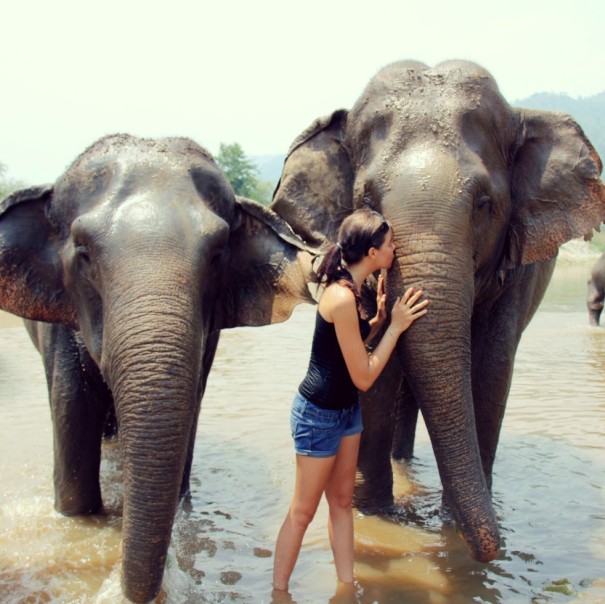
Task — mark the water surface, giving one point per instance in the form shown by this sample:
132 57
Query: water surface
549 482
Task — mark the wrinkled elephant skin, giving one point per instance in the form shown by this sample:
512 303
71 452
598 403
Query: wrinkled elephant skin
480 196
127 269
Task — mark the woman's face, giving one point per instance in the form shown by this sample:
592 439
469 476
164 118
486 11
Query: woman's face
386 252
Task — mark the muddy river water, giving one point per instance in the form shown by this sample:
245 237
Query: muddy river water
549 483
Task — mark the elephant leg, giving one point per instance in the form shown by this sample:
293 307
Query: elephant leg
495 338
210 351
374 488
594 303
491 384
79 403
406 420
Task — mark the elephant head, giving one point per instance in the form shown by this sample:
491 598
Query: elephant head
140 254
480 196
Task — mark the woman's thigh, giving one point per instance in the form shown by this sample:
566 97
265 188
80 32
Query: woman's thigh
341 482
312 474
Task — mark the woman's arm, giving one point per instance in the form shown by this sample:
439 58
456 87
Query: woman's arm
340 307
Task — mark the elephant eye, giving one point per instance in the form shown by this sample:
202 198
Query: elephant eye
216 257
84 262
83 254
484 202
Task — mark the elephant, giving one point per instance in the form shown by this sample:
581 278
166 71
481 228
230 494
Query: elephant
126 269
480 196
596 291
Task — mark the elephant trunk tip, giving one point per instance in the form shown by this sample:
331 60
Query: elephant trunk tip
486 556
485 549
141 592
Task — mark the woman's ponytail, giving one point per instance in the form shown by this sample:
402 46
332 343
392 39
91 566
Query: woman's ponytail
331 267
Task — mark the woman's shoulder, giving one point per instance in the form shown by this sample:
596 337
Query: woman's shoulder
336 298
338 292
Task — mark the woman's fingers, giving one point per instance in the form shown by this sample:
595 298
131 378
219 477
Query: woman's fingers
409 302
415 297
380 287
411 296
408 292
420 305
418 311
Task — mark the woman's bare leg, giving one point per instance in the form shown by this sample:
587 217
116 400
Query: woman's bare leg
312 474
339 493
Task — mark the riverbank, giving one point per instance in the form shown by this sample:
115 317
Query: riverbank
578 250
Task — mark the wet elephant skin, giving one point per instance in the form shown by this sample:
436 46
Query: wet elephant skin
126 270
480 195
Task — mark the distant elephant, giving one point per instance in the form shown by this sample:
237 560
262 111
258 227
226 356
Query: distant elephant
596 291
135 260
480 196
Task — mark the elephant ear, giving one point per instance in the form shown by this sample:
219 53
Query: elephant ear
269 270
315 191
31 272
556 190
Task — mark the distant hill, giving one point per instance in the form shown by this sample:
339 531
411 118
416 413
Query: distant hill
269 167
589 112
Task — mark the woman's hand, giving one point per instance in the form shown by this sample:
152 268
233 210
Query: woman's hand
381 305
407 309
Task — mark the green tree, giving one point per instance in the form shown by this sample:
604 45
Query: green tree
7 186
243 173
264 192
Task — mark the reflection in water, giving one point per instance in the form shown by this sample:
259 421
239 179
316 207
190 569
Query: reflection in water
548 484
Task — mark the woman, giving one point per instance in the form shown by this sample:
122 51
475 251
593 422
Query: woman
326 416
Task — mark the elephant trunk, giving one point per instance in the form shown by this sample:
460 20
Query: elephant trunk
436 352
152 363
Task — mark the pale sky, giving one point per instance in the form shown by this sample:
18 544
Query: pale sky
256 72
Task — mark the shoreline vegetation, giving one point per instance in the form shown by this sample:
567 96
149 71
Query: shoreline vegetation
578 250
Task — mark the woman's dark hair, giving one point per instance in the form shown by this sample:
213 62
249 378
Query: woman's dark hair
360 231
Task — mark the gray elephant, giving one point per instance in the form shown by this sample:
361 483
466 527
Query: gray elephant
480 196
596 291
129 267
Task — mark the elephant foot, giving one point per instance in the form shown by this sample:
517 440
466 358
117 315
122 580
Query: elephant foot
404 514
373 493
445 512
82 504
185 490
403 456
371 504
80 509
186 502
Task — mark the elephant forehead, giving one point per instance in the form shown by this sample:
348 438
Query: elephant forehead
430 101
124 145
423 159
141 213
126 159
423 168
139 209
144 186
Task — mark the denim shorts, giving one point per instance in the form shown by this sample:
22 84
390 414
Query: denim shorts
317 432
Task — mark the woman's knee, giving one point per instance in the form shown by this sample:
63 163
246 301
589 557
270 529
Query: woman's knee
302 516
340 500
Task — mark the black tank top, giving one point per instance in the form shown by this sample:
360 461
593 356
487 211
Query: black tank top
328 383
